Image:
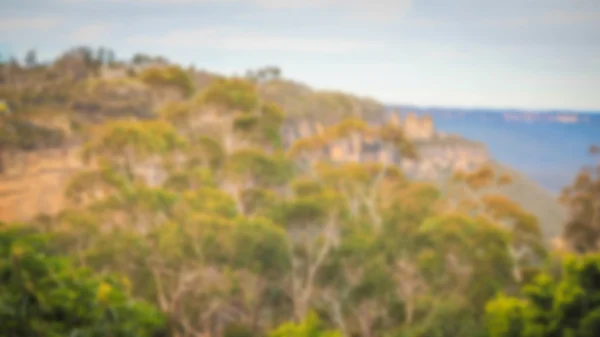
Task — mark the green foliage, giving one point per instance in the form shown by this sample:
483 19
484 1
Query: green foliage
169 76
258 167
261 247
206 151
231 94
238 330
565 307
211 201
124 145
582 230
190 180
176 111
506 316
447 317
45 295
311 326
4 109
144 138
202 213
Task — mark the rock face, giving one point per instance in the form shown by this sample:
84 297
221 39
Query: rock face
439 154
442 155
418 128
34 183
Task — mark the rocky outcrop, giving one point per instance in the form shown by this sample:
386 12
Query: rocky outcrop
439 154
34 183
418 128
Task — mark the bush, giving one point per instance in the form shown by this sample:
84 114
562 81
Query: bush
44 295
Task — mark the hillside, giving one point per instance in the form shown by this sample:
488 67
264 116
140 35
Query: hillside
537 200
37 171
175 202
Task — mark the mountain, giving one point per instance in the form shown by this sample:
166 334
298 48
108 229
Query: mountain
62 102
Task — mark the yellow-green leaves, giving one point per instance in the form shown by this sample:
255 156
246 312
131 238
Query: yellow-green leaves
551 307
346 128
176 112
261 247
480 178
311 326
207 200
272 113
504 316
256 167
135 138
170 76
4 110
231 94
61 298
103 293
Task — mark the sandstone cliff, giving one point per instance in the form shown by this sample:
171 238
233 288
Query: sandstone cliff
34 182
439 156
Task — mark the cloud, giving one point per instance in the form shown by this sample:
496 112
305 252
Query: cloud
229 39
373 10
15 25
360 9
548 18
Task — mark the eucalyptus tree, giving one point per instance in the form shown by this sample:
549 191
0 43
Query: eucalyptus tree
313 222
526 244
43 294
582 199
135 149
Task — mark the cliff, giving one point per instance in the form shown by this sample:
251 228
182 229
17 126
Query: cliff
34 182
41 164
440 155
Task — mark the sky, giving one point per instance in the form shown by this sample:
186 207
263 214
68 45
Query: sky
529 54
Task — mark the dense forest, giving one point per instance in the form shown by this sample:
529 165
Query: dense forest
194 218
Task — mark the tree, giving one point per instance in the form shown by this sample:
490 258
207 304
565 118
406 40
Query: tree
568 306
231 94
169 77
261 262
456 240
135 148
582 198
31 59
43 294
467 193
309 327
313 225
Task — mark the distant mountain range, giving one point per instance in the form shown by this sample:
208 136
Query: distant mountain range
515 115
550 147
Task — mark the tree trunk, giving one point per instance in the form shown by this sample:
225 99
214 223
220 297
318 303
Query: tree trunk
257 307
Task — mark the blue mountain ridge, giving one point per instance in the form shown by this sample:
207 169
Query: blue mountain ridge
549 147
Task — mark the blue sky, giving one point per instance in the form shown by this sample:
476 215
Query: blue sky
532 54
